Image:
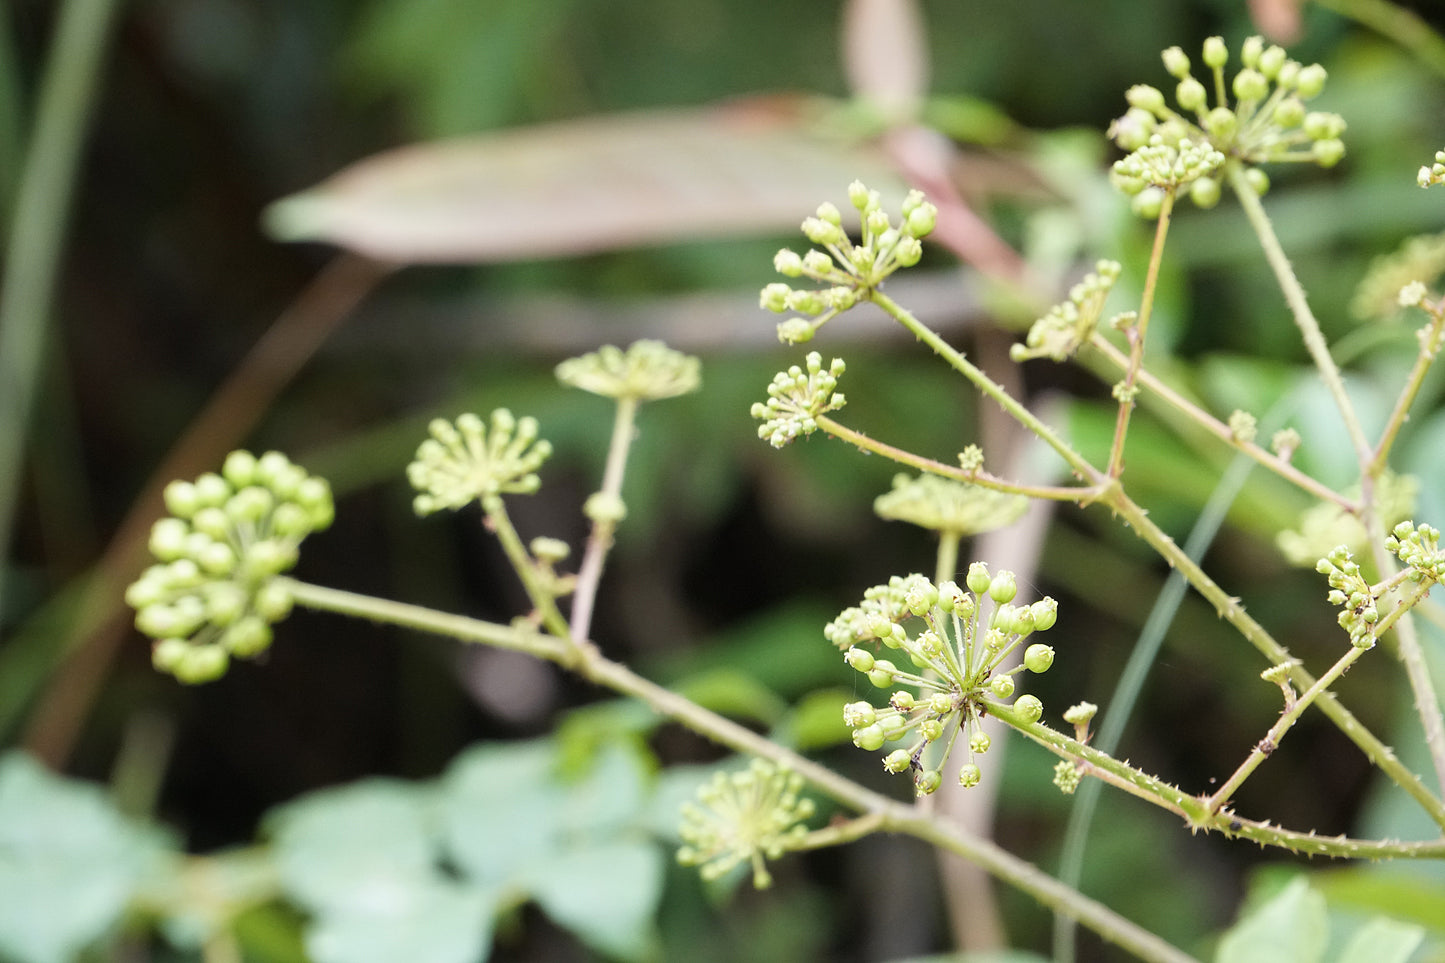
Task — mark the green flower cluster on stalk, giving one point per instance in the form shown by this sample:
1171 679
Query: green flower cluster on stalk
748 816
796 398
850 270
955 649
1268 122
1418 548
944 505
1350 590
214 593
1434 173
471 459
1069 324
646 371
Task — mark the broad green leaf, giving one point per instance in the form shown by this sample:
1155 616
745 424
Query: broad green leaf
432 921
606 894
358 849
1382 940
606 799
816 722
594 184
69 862
1293 927
500 810
733 693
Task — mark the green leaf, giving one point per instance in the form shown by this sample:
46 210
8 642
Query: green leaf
606 894
69 862
1382 940
500 811
733 693
1293 927
432 921
816 722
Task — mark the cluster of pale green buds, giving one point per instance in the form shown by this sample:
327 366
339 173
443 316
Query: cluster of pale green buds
1267 123
1418 548
746 816
944 505
796 398
1069 325
213 592
955 675
472 459
1350 590
1435 173
850 271
646 371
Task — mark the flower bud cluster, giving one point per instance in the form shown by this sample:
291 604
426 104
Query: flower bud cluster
1418 548
1067 326
943 505
1350 590
849 270
214 592
796 398
646 371
1267 122
471 459
1159 167
744 817
1435 173
955 639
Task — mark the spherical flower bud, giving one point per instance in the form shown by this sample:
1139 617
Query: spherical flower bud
902 700
250 504
1191 95
870 738
1251 49
816 262
978 579
1271 61
827 211
1029 707
898 760
291 519
168 539
166 654
1328 153
921 221
225 603
1289 112
796 331
1288 75
605 508
217 558
200 664
858 195
1310 81
240 469
181 499
1002 686
930 729
1257 179
1204 192
1221 124
1038 657
788 263
1045 612
1216 54
928 782
859 714
1002 588
882 674
774 297
211 490
1145 97
876 222
860 659
1080 714
823 232
273 601
1250 85
980 742
212 521
969 776
1176 61
1148 203
908 252
248 637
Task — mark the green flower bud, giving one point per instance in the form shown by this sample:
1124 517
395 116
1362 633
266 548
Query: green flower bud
250 504
158 621
856 715
1328 153
166 654
796 331
149 589
969 775
273 601
168 539
211 491
1257 179
1148 203
980 742
240 469
1029 707
908 252
898 760
225 603
1289 112
882 673
1221 124
1271 61
1145 97
920 222
200 664
1080 714
1176 61
1216 54
268 557
1191 95
1003 588
827 211
978 579
1250 51
870 738
788 263
212 521
860 659
928 782
1045 612
604 508
823 233
183 573
248 637
1038 657
181 500
859 195
291 520
774 297
1204 192
1250 85
1002 686
216 558
902 700
1310 81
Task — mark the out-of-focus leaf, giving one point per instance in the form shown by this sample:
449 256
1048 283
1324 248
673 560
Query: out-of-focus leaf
69 863
1293 927
594 184
1382 940
885 53
816 722
733 693
439 921
500 811
606 894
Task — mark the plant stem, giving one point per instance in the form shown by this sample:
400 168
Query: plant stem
1430 342
32 255
946 565
1220 430
599 542
889 815
544 605
1136 339
1294 296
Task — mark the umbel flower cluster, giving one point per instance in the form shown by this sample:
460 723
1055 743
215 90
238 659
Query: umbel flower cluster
741 817
1418 549
471 459
214 593
955 638
1267 122
850 270
1068 325
796 398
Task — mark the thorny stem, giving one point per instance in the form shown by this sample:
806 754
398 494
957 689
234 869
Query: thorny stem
1294 295
1136 336
887 815
599 542
1220 430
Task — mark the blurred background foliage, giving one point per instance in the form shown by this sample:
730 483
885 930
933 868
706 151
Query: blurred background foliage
733 556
